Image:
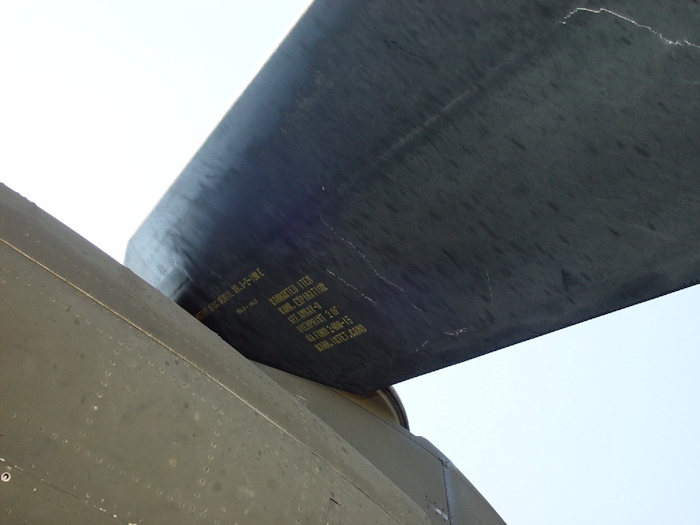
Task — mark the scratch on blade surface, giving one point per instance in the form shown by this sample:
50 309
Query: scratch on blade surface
369 263
648 230
629 20
350 286
488 279
460 331
421 347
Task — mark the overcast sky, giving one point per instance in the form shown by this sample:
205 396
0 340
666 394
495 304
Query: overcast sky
103 103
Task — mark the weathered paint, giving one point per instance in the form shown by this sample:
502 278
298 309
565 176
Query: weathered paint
118 406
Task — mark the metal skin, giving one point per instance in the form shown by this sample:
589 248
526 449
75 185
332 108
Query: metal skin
453 177
116 406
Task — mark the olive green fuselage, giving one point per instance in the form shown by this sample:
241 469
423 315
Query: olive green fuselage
118 406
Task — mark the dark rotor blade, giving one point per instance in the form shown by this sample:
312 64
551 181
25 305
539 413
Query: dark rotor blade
407 185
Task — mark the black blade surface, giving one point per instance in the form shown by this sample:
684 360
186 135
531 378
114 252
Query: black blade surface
408 185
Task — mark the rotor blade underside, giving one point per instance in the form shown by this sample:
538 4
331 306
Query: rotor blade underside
408 185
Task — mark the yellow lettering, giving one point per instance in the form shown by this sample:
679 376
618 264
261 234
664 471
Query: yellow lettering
283 295
323 345
340 338
305 281
311 323
285 308
357 330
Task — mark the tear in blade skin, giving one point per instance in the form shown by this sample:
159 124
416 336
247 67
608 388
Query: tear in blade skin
466 175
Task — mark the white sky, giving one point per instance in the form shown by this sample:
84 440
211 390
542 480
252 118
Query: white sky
103 102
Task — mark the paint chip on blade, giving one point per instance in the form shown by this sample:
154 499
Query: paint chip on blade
600 10
437 510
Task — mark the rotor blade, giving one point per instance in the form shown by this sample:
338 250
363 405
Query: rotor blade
408 185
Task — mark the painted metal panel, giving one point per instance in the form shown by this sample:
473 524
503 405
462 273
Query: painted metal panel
115 397
466 505
419 469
